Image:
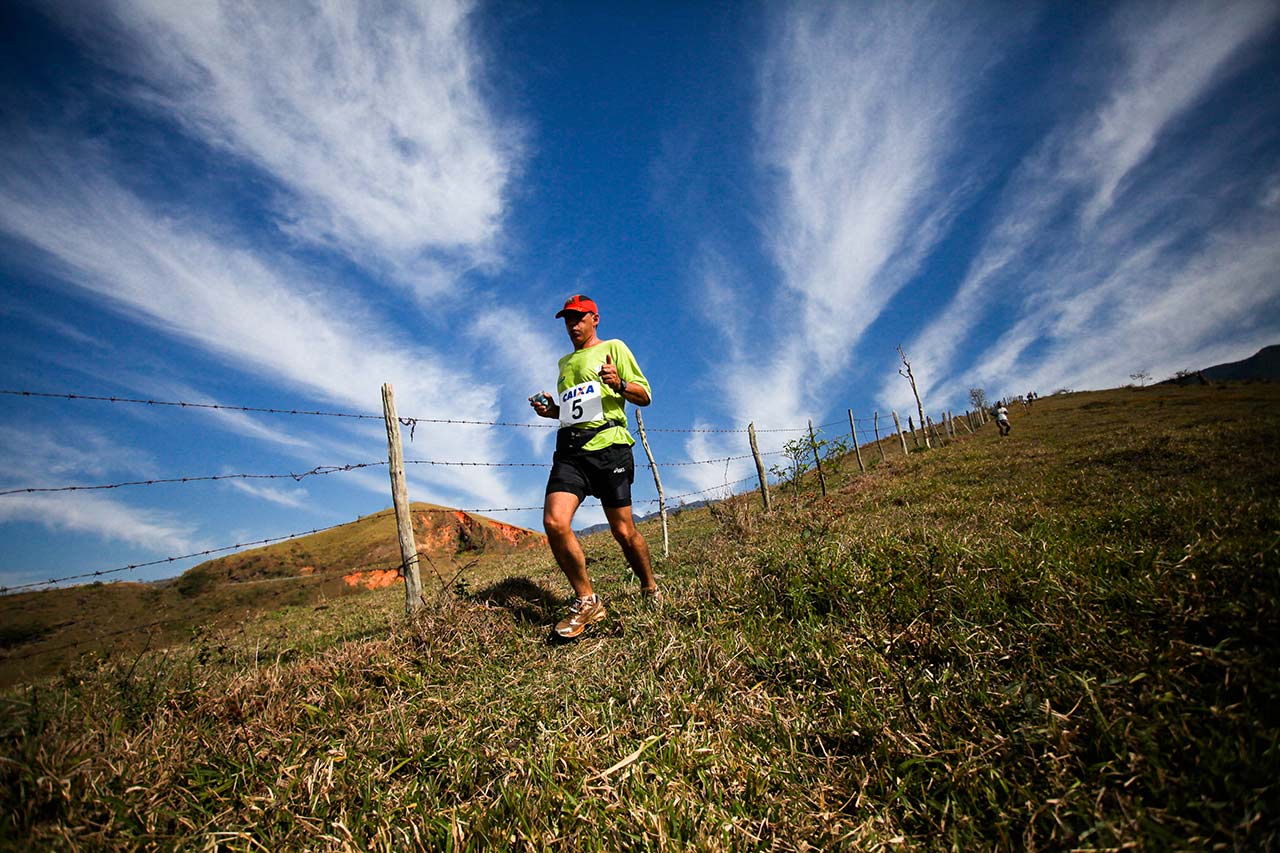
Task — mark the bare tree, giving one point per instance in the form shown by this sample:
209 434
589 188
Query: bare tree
978 398
910 377
1142 377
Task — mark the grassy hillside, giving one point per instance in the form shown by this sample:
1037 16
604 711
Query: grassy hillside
1060 639
44 632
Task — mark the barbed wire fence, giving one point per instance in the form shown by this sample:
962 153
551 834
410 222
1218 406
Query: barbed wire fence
943 431
411 422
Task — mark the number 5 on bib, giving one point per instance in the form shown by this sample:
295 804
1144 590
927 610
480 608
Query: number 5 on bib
581 404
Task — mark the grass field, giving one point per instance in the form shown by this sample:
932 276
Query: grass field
43 632
1063 639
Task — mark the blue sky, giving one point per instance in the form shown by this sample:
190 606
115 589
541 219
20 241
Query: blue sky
284 205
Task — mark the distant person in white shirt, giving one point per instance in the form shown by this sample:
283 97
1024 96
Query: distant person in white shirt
1002 419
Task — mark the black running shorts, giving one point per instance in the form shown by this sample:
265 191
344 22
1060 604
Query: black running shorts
606 473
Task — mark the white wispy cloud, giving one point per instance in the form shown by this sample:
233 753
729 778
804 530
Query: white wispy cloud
526 354
370 116
1162 316
32 457
102 516
699 478
294 498
858 121
1172 58
1104 244
261 313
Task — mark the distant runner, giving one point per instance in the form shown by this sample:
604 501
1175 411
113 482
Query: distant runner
593 455
1002 419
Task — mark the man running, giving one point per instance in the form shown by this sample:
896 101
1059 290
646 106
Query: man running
1002 419
593 455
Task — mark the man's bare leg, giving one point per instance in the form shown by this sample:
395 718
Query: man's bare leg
557 521
634 548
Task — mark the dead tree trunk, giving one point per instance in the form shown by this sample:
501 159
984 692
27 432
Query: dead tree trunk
910 377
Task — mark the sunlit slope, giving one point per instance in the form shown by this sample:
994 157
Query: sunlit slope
366 552
1062 639
46 630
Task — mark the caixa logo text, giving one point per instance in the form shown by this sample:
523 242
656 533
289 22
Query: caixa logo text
580 391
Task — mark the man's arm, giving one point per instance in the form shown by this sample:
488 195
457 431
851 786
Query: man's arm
635 393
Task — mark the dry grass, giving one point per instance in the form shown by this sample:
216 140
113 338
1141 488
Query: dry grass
46 631
1062 639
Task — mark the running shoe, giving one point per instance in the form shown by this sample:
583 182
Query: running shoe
583 612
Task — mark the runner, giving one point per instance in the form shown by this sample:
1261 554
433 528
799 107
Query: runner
593 456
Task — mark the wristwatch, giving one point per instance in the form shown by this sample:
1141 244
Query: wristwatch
622 388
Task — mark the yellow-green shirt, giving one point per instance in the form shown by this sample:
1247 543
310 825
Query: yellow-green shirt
584 365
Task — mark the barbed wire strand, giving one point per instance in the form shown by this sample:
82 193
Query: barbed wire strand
410 422
406 421
102 572
314 472
187 405
322 470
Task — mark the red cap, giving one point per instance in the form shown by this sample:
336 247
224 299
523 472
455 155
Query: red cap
579 302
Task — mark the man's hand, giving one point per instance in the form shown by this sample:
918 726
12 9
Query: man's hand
609 374
543 405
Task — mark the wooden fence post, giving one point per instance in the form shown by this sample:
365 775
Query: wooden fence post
755 452
876 424
400 498
817 459
657 481
856 450
915 439
901 435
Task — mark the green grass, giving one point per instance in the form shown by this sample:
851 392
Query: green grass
1063 639
50 629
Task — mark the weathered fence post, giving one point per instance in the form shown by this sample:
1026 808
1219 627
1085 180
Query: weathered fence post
915 439
901 435
857 451
911 378
400 498
657 481
817 459
875 423
755 452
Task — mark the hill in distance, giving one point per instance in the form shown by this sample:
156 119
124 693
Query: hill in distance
366 553
41 631
1263 365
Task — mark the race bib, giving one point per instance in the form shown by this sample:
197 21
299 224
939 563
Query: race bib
581 404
